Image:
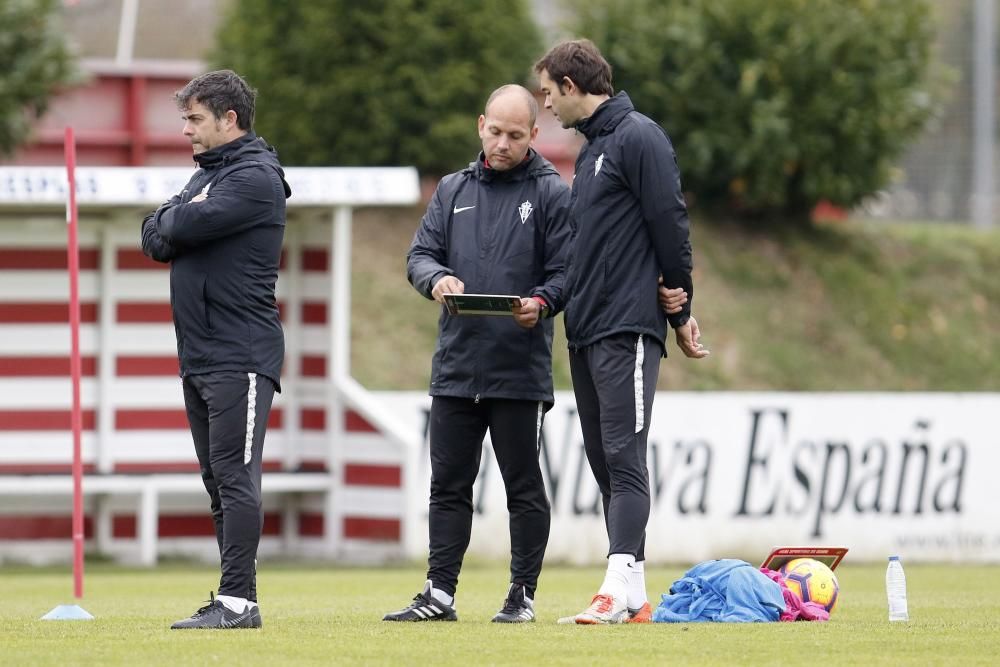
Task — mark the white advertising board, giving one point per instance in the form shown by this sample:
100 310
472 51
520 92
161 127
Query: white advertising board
733 474
151 186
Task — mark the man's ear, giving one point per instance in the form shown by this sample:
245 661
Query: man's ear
231 119
568 87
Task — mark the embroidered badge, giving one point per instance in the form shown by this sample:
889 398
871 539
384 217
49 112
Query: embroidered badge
524 210
598 163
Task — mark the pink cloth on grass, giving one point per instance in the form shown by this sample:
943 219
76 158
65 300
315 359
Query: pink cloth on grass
795 608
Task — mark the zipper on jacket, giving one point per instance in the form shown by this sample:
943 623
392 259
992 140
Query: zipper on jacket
476 400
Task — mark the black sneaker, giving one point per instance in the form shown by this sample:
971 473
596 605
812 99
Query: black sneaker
424 608
216 615
517 608
255 620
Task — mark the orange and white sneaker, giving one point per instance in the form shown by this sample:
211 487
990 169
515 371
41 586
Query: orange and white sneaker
603 610
643 614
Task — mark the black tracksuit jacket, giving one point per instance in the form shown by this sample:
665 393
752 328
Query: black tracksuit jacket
499 232
224 254
630 225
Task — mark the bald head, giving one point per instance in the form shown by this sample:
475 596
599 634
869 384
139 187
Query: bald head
507 126
513 94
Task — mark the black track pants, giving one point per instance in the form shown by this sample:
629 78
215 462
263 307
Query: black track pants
228 413
614 381
457 429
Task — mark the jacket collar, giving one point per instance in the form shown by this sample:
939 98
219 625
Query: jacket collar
226 153
606 117
529 164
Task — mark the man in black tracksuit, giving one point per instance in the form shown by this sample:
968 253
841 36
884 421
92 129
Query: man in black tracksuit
497 227
630 228
222 236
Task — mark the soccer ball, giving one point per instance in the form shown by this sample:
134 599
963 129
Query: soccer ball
812 581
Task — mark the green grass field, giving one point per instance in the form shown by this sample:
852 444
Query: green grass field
324 615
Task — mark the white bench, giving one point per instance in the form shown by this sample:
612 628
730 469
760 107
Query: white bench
149 488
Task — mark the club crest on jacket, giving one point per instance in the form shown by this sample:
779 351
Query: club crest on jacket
524 210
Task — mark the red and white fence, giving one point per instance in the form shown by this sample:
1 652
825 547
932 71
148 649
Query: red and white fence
134 422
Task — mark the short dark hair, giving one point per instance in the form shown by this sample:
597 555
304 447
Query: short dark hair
582 62
220 91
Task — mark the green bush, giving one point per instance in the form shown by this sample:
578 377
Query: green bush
34 61
773 105
385 82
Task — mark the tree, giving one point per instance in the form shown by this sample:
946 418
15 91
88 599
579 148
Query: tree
386 82
34 62
774 105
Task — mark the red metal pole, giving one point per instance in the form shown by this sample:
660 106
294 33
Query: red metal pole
73 255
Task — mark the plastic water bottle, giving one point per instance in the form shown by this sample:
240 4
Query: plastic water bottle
895 588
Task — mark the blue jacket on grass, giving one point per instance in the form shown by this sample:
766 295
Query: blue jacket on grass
727 590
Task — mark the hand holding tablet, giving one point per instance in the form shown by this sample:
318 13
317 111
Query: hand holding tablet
481 304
